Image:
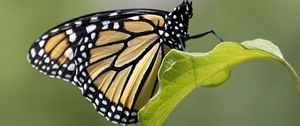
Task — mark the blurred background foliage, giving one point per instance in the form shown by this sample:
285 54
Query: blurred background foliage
259 93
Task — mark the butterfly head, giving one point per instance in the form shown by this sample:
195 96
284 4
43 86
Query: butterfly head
177 23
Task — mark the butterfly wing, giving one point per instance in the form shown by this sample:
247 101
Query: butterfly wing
113 57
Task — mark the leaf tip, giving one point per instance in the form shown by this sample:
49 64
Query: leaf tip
265 45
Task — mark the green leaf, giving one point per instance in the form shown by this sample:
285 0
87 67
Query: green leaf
181 72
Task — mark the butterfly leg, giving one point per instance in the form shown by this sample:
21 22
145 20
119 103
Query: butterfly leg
204 34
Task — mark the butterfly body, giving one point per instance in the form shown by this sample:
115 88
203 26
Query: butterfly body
113 57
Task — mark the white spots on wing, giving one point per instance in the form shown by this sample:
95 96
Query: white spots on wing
117 116
80 67
91 28
105 27
42 43
83 74
187 8
43 67
186 13
133 114
161 40
113 108
90 96
71 67
80 60
84 86
176 28
115 122
131 120
54 30
41 52
100 96
92 89
102 109
109 114
82 47
66 25
47 60
45 36
113 14
69 53
48 68
72 37
126 113
167 34
97 102
101 113
174 17
68 76
36 61
33 52
119 108
104 102
180 25
123 119
134 18
116 25
94 19
70 31
78 23
90 45
161 32
86 39
53 72
105 22
93 35
60 72
84 56
179 46
55 66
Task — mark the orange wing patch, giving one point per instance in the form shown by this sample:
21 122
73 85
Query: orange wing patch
135 48
95 69
52 42
149 85
56 46
104 80
137 26
106 37
102 52
157 20
114 92
127 98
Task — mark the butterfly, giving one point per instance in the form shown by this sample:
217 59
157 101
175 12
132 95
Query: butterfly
113 56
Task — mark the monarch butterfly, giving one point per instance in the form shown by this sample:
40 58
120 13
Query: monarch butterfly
113 56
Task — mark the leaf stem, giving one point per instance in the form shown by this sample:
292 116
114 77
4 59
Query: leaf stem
294 74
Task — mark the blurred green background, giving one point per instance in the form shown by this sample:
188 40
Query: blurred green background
259 93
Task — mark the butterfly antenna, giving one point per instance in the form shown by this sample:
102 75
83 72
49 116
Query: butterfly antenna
204 34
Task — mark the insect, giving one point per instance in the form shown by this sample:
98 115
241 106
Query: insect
113 57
